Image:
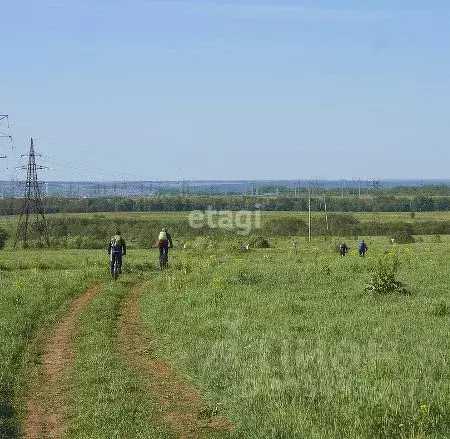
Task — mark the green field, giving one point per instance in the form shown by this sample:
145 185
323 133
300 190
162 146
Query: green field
282 343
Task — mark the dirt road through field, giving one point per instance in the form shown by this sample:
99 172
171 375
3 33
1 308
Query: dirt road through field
181 405
48 387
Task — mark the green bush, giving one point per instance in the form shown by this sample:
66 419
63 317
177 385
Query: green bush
403 234
285 226
259 242
383 276
342 225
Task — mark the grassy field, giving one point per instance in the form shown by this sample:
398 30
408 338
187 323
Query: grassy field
284 344
290 346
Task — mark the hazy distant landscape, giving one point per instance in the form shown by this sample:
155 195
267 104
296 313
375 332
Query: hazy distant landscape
213 187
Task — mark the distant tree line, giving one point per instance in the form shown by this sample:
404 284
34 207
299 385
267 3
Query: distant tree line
94 231
380 203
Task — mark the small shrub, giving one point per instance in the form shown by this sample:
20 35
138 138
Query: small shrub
285 226
343 225
403 237
441 309
259 242
383 276
403 234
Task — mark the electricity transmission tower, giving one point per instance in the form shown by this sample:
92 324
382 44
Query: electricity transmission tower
4 127
32 205
7 150
4 130
184 188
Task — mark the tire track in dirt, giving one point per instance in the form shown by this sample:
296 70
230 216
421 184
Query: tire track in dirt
49 385
180 405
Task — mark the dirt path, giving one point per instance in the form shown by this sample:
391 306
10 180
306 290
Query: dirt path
49 384
181 405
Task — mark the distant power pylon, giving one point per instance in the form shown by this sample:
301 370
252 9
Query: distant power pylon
32 205
4 130
184 188
4 127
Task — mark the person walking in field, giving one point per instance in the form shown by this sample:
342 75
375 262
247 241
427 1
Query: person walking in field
164 242
117 248
362 249
343 249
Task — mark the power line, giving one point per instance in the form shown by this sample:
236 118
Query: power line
94 169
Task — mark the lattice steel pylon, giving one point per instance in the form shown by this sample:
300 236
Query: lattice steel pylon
4 131
32 205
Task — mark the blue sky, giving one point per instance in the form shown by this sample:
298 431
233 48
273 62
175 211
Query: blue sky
248 89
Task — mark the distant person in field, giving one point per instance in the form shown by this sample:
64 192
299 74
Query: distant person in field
117 248
164 241
362 248
343 249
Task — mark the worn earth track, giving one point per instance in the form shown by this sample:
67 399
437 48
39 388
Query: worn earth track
49 385
181 406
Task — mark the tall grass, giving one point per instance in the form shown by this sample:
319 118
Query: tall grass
290 346
285 344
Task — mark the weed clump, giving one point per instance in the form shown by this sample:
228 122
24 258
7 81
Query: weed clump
259 242
441 309
403 236
383 279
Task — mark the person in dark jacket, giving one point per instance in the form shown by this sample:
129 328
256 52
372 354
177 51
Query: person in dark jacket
362 248
117 248
343 249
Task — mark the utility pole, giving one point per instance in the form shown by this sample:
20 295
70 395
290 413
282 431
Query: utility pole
376 213
309 211
32 204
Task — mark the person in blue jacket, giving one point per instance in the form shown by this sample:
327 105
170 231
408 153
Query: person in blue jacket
362 248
